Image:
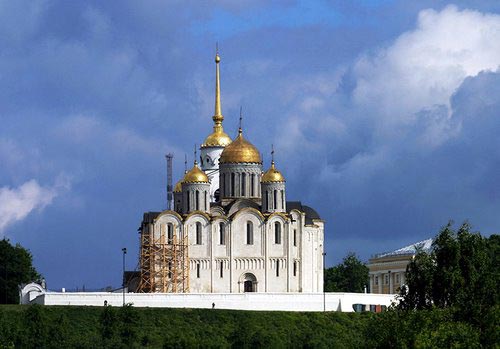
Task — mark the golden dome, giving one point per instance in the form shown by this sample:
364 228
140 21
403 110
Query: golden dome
272 175
178 187
240 151
217 139
195 175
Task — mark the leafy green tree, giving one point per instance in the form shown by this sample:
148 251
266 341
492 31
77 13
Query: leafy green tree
15 268
419 274
349 276
461 273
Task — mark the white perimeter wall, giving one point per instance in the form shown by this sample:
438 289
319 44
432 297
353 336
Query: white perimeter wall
245 301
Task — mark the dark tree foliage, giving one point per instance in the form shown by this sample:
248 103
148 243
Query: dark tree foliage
461 274
15 268
349 276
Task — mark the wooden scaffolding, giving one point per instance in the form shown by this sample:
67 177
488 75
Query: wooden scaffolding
164 261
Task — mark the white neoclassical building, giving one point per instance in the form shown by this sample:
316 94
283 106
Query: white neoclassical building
231 229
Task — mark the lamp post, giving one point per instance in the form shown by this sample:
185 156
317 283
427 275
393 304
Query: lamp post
124 250
324 275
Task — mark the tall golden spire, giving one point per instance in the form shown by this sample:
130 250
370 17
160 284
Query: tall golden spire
218 112
218 138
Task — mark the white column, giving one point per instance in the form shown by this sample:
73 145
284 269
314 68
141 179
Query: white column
390 282
379 275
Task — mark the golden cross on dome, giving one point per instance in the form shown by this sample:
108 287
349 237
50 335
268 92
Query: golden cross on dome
195 155
272 153
185 163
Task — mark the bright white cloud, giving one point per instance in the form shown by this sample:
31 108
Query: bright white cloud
425 66
17 203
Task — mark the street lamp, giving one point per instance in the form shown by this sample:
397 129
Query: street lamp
324 275
124 250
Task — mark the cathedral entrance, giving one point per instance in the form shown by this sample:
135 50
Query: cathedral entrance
249 282
248 286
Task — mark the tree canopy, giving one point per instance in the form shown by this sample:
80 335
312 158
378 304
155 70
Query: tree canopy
461 273
349 276
15 268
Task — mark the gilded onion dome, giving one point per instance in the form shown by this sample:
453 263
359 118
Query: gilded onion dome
195 175
218 138
272 175
178 186
240 151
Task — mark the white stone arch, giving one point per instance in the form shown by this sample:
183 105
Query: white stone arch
248 210
248 282
270 227
241 204
165 218
239 232
190 227
30 292
216 229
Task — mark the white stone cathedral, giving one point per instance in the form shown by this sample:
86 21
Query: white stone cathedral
242 234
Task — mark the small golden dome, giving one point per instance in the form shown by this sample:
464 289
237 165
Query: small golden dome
272 175
217 139
178 187
195 175
240 151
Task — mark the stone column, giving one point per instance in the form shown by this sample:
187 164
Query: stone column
390 282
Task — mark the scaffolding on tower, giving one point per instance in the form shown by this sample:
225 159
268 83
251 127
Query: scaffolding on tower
164 260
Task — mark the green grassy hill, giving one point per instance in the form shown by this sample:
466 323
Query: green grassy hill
90 327
130 327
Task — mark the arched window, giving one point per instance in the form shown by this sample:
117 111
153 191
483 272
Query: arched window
252 185
205 201
275 201
222 236
221 269
277 267
170 233
249 233
277 233
198 233
197 201
243 184
267 200
232 184
294 268
188 201
295 237
282 200
198 270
